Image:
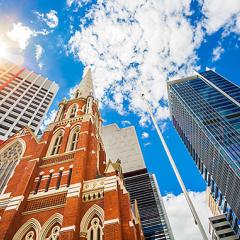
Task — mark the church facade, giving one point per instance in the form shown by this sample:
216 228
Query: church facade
60 186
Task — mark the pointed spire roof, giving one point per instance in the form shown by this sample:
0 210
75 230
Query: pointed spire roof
112 167
85 87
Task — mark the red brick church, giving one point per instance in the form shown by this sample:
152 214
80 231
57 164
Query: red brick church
60 186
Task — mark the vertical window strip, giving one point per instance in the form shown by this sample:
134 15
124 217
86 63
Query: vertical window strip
57 144
73 112
48 182
54 146
75 138
38 184
220 200
225 206
59 179
91 234
69 177
99 234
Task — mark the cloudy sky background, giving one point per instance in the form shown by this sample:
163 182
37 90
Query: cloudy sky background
130 45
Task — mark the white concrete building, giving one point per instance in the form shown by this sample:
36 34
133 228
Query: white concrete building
122 143
25 97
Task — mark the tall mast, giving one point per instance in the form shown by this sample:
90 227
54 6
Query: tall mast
178 176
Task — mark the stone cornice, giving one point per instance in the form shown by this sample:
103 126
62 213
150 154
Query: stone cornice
43 209
49 193
69 120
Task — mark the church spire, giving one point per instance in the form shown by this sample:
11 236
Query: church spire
85 87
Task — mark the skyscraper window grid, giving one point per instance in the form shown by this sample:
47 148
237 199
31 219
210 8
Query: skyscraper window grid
24 98
208 122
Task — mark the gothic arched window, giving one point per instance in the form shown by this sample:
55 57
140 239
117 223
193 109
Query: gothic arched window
51 228
9 158
72 111
57 140
30 230
89 105
95 230
74 136
77 94
29 236
55 233
59 114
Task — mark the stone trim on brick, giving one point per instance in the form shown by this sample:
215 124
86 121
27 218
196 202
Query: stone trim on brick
74 190
68 228
110 184
4 200
112 221
55 218
14 203
49 193
31 223
43 209
91 212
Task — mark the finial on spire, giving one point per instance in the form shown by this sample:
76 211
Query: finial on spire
85 87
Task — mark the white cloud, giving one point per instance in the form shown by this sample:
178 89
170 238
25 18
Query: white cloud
50 18
163 127
72 91
133 43
38 51
20 34
217 52
145 135
49 118
233 26
147 144
180 216
218 14
125 122
77 3
38 54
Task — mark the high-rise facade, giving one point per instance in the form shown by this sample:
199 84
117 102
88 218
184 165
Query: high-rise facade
61 187
25 97
205 110
122 143
143 187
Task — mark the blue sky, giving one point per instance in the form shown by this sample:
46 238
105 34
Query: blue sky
127 44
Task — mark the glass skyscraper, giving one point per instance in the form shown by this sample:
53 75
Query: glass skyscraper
143 187
205 110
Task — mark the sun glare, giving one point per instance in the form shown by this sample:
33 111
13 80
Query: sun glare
3 49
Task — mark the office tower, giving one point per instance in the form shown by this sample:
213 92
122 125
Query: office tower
205 110
25 97
62 187
122 143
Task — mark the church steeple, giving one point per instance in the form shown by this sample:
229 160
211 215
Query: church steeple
65 174
85 87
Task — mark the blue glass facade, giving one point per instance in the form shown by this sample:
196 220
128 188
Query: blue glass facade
206 113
